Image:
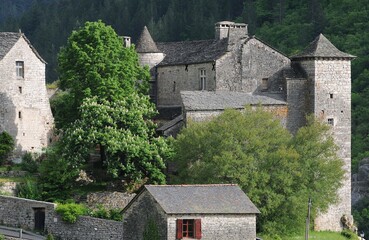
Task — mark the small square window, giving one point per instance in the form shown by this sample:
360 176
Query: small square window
331 121
331 95
264 84
19 66
20 89
189 228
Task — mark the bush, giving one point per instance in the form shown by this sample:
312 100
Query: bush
29 164
6 146
29 189
2 237
151 231
349 234
111 214
71 211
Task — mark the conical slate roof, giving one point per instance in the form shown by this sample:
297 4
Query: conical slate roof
322 47
145 43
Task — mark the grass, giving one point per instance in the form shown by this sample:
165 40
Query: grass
315 236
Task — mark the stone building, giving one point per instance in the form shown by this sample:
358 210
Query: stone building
24 110
199 79
191 212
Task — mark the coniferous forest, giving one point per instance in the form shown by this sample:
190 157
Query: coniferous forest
288 25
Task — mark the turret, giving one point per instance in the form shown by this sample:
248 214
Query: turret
148 52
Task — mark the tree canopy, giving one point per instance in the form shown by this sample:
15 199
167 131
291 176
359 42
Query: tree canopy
107 90
278 171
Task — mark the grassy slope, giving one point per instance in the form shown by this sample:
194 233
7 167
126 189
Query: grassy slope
315 236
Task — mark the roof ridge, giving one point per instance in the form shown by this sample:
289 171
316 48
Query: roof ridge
190 41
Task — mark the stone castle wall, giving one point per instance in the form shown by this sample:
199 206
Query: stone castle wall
173 79
25 111
330 99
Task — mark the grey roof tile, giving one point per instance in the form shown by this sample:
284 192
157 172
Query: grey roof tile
145 43
202 199
220 100
321 47
190 52
7 41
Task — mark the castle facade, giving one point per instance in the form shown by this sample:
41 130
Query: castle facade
199 79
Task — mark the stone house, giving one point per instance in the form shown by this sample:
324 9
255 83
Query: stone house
199 79
191 212
24 110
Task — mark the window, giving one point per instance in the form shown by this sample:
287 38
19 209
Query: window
189 228
202 79
19 66
331 95
331 121
264 84
20 89
19 114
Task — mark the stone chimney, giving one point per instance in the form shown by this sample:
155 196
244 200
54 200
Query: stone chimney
126 41
230 30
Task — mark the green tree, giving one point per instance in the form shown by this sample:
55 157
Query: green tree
95 63
278 171
6 146
108 92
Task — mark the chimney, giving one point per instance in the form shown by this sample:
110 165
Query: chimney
126 41
231 30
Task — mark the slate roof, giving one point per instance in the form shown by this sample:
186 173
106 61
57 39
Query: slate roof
202 199
190 52
145 43
7 41
321 47
220 100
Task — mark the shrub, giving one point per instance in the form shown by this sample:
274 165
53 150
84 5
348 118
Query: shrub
151 231
71 211
29 189
6 146
111 214
2 237
29 164
49 237
349 234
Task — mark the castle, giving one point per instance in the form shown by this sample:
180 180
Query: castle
25 110
199 79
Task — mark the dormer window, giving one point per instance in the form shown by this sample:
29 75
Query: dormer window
19 67
202 79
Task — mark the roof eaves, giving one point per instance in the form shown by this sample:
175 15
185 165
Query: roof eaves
269 46
33 49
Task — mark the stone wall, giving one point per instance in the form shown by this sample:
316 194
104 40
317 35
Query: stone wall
280 111
173 79
25 111
109 200
87 228
19 212
137 216
297 101
220 227
259 61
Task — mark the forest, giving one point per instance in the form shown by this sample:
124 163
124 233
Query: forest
288 25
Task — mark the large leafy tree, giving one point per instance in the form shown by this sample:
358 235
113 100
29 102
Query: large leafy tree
107 92
278 171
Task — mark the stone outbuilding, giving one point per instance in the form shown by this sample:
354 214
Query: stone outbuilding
191 212
25 111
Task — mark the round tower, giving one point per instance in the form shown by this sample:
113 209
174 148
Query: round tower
148 52
328 73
